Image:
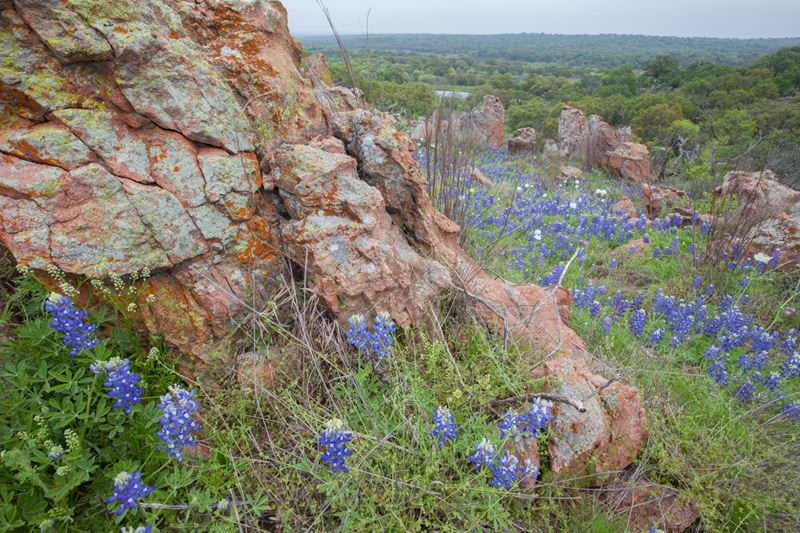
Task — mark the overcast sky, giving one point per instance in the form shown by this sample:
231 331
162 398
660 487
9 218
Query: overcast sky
687 18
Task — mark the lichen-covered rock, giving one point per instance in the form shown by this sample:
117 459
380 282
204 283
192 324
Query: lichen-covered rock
625 206
552 151
49 144
523 141
110 138
573 129
649 505
356 256
759 194
486 122
657 198
630 161
602 138
596 143
779 233
64 32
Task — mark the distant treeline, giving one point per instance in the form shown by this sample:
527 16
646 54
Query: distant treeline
569 50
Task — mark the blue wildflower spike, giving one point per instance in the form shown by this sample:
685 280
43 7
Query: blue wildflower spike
484 454
444 426
123 383
128 490
178 425
335 440
78 335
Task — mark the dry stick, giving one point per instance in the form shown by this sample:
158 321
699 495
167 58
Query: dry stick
577 404
236 511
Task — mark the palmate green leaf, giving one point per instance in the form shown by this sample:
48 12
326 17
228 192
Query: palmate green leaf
178 478
9 520
35 332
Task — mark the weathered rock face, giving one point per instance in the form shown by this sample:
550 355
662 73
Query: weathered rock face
598 144
573 129
630 161
183 138
127 134
771 207
601 139
657 198
625 206
759 193
650 505
551 151
523 141
486 122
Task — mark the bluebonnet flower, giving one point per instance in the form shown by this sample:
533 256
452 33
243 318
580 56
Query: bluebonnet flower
594 310
444 425
509 426
789 343
128 490
613 264
223 505
381 341
697 282
335 440
772 382
745 391
791 411
710 290
718 373
177 421
141 529
606 324
123 384
484 454
790 368
526 425
637 323
537 417
744 282
376 342
505 471
55 453
654 338
357 333
71 322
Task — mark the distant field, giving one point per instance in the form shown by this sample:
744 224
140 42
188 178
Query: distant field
573 50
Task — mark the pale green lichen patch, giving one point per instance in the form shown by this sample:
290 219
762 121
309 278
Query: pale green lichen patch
26 67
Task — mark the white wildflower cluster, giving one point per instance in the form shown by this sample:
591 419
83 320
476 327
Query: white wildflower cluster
123 292
66 288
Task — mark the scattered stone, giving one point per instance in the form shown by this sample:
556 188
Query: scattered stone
625 206
570 173
478 176
551 151
657 197
648 505
523 142
486 122
573 129
630 161
759 194
598 144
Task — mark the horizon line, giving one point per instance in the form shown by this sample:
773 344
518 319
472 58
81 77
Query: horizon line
373 34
